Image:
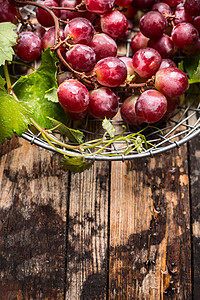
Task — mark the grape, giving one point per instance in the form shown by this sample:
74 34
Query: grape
29 46
146 62
67 14
139 41
163 45
43 17
167 63
73 96
151 106
81 58
123 3
80 31
103 45
129 12
8 12
39 30
162 8
196 23
192 7
110 71
114 24
128 113
142 4
184 36
172 2
181 15
129 64
172 82
99 6
76 116
63 76
194 50
172 104
103 103
48 39
153 24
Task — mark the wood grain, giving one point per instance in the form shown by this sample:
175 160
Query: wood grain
34 193
150 228
87 232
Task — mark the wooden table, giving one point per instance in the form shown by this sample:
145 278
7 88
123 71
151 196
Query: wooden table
117 231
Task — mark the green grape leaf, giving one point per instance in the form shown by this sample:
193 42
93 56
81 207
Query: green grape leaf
181 66
51 95
76 164
34 88
110 129
192 67
74 135
7 39
14 115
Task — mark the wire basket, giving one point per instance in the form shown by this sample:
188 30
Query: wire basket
180 128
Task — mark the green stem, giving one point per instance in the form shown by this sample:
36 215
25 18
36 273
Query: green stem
8 82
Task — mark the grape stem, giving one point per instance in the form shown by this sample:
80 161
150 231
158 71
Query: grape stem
8 82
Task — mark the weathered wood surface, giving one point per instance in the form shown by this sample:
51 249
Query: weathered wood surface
109 233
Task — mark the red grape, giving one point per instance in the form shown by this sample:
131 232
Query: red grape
43 17
81 58
48 39
29 46
73 96
196 23
172 2
99 6
163 45
139 41
103 103
181 15
103 45
167 63
67 14
79 30
128 113
192 7
110 71
129 64
146 62
123 3
151 106
172 82
76 116
8 12
162 8
172 104
114 24
184 36
142 4
153 24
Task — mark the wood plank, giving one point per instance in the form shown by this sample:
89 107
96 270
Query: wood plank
150 228
87 234
33 200
194 151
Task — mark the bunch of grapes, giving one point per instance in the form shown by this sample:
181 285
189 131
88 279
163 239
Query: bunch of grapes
86 34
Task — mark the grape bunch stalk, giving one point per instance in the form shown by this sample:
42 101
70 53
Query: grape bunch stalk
85 35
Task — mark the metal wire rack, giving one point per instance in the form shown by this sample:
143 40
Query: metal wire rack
182 126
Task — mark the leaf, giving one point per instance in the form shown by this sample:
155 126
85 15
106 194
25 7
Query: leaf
7 39
192 67
110 129
74 135
180 66
76 164
14 115
34 89
51 95
2 84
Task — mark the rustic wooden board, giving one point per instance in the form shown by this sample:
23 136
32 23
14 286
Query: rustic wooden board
194 171
33 201
150 228
86 275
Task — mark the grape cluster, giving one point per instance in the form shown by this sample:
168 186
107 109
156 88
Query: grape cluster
86 34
